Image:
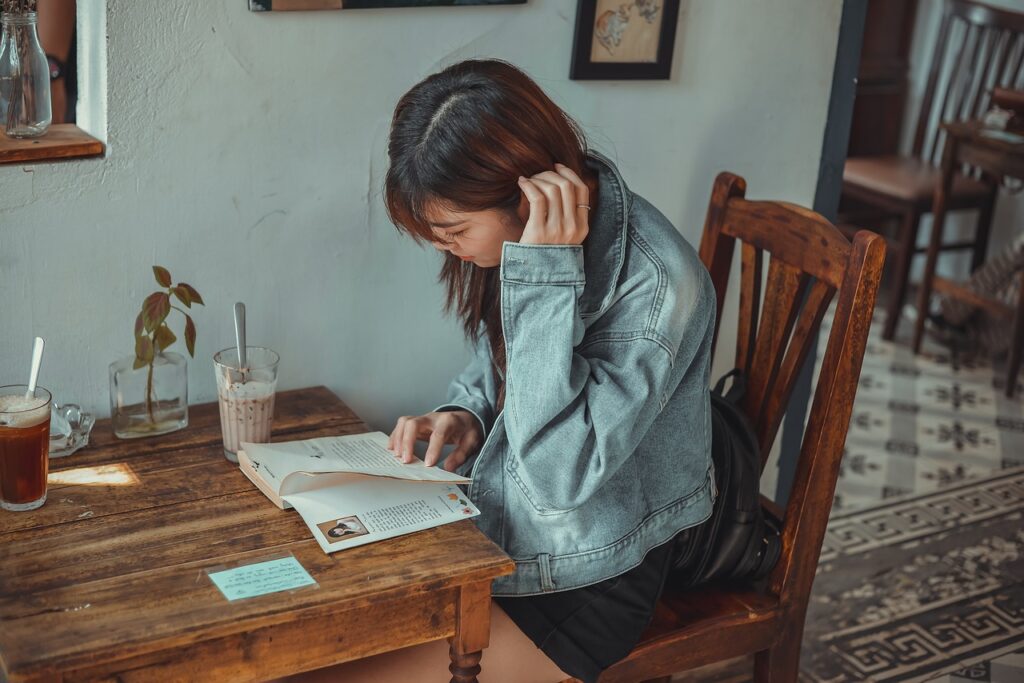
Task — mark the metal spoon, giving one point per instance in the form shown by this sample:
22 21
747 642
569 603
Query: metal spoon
240 339
37 359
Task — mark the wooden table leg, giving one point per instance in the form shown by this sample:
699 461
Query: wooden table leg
472 631
942 193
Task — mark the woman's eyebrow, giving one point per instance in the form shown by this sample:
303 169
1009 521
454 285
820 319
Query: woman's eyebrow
447 225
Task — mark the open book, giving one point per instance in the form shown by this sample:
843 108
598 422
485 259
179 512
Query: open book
351 490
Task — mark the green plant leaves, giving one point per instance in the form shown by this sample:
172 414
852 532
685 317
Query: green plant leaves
143 352
163 337
154 309
190 336
152 335
183 295
163 276
193 295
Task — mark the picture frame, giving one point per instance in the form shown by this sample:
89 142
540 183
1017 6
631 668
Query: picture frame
307 5
624 39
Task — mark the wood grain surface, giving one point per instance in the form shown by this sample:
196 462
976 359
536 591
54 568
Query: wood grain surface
108 579
62 141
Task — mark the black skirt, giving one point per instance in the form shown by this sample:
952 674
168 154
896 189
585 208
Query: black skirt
586 630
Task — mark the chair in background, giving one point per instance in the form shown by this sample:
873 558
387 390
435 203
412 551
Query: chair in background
979 47
810 261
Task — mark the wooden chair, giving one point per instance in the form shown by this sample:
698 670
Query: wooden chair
978 47
808 256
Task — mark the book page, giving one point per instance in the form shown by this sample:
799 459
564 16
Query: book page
359 453
360 511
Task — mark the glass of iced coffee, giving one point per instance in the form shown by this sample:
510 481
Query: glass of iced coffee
24 447
246 396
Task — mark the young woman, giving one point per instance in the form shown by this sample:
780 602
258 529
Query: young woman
584 416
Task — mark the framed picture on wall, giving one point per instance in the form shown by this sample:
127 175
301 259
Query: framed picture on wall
295 5
624 39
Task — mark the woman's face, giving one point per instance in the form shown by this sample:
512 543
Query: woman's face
477 236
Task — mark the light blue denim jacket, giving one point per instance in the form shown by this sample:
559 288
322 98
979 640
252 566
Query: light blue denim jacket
603 449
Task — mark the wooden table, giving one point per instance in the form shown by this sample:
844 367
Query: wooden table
106 582
996 158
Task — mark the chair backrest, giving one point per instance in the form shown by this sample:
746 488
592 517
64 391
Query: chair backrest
780 311
978 47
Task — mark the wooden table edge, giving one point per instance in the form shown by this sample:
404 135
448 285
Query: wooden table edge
54 669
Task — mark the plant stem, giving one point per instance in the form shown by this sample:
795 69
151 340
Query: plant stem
149 391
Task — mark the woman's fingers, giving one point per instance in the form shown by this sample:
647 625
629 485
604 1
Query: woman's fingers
449 427
582 201
556 214
538 203
555 219
563 219
438 438
410 434
396 434
465 446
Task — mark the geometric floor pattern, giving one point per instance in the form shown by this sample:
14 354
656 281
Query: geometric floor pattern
923 422
929 434
1006 669
922 586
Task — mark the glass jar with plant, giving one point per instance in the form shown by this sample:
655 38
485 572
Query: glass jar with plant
149 389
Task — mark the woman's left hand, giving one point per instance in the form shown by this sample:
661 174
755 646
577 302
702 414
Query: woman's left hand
559 207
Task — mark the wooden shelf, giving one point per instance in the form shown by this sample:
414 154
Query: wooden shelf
62 141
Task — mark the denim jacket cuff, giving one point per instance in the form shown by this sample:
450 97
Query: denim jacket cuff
467 404
542 264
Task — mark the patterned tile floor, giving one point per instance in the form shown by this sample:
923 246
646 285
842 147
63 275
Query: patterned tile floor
922 423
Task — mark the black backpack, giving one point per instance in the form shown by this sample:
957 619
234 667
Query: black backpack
741 540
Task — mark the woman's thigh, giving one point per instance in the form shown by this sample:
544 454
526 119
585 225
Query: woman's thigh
511 656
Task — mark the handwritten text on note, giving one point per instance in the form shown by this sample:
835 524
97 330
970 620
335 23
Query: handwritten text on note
261 578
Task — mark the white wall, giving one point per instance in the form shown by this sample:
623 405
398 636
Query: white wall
246 152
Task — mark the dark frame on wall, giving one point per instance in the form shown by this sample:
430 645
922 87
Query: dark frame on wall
611 25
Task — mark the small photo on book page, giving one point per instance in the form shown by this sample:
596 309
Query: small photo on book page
376 508
337 530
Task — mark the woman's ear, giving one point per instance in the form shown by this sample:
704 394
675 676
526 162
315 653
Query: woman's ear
523 211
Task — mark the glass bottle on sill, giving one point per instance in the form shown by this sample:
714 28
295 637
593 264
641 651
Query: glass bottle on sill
25 110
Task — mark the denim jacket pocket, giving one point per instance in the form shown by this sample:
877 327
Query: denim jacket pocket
511 468
628 472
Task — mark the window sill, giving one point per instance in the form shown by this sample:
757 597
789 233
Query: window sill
62 141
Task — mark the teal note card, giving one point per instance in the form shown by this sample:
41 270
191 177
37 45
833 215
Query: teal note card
260 578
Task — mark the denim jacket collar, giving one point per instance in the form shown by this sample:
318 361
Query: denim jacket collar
604 250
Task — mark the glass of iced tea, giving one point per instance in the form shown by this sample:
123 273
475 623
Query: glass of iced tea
24 447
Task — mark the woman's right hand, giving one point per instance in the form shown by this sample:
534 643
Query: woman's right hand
458 427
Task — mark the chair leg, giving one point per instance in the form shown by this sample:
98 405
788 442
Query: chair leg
781 663
985 213
1016 343
908 244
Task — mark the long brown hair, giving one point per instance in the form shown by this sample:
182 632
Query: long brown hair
460 139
